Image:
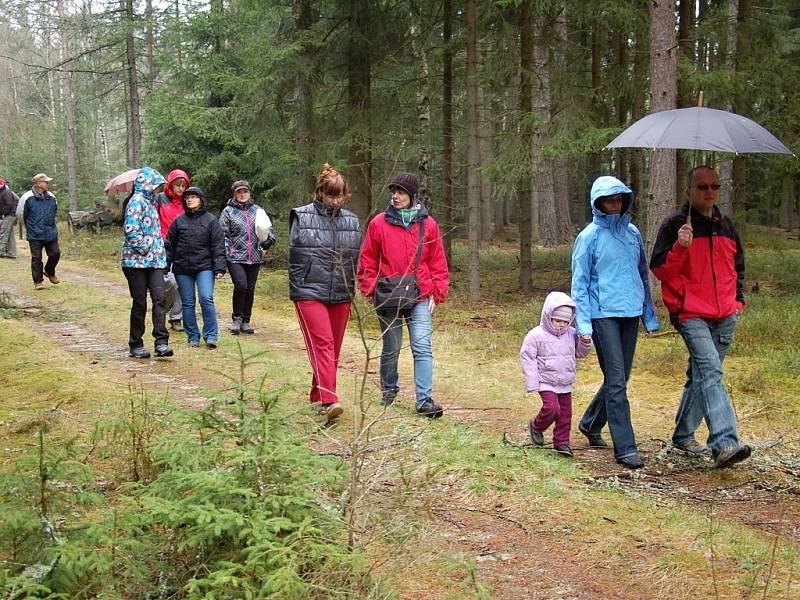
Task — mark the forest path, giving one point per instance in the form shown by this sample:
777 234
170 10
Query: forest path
518 550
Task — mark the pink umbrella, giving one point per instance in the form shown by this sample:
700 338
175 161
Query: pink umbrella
121 183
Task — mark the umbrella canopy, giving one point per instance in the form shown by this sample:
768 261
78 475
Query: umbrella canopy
699 128
121 183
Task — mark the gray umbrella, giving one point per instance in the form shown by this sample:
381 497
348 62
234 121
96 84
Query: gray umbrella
699 128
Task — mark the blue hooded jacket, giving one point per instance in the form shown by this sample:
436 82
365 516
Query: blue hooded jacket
609 269
143 247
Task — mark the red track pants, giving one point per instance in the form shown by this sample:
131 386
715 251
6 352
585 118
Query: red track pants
323 327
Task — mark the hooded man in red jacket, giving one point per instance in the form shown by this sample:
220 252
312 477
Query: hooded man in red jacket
169 204
699 260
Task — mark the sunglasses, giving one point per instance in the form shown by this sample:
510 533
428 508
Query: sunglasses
703 187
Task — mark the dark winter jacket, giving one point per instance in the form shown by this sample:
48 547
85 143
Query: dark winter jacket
390 248
8 202
323 253
195 241
238 224
705 280
39 215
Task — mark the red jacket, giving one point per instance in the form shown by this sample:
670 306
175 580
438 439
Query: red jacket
705 280
390 249
168 203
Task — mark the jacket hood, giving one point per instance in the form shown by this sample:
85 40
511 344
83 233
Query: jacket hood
392 215
173 175
146 181
610 186
194 191
552 302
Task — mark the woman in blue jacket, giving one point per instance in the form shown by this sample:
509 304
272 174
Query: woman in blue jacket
611 288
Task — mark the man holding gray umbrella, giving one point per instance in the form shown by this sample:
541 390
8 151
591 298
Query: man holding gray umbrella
699 259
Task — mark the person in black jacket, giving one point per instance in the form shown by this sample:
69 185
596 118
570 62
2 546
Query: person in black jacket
324 240
195 248
8 217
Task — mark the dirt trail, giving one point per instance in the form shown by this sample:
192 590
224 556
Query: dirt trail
518 556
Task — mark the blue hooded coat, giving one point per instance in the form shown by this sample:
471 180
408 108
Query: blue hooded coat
609 267
143 247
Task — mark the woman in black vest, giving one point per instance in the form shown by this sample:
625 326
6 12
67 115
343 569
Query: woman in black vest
324 241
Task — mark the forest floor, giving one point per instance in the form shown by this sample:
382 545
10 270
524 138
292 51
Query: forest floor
462 507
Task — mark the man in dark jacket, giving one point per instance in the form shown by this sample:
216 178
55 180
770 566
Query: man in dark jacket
39 215
8 216
699 260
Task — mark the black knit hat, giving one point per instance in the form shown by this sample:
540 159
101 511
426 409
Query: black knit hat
407 182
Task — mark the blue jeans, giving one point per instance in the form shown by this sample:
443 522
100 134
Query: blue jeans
204 280
615 342
704 396
418 320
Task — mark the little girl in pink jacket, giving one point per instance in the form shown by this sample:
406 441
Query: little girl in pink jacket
549 360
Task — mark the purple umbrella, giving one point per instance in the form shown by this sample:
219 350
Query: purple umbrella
699 128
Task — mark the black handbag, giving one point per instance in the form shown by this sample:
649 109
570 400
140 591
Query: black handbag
399 292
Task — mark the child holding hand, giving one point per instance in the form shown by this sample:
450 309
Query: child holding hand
549 360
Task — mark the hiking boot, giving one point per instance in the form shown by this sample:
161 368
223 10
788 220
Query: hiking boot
692 447
163 350
176 325
236 325
211 344
139 352
331 411
39 285
194 343
536 436
730 455
634 461
595 439
430 409
564 450
53 278
247 328
388 398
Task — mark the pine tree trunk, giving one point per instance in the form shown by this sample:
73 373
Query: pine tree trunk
359 153
134 145
741 104
447 127
725 201
485 142
424 120
304 104
69 109
150 44
663 92
526 136
543 195
473 154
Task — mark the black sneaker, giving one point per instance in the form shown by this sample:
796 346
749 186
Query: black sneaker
247 328
236 325
162 350
139 352
388 398
730 455
595 439
634 461
194 343
430 409
536 436
211 344
176 325
564 450
691 447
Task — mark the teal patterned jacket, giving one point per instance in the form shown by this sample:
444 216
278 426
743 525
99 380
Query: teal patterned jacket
143 247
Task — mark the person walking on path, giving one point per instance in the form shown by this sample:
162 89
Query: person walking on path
324 240
195 248
611 289
699 259
39 215
244 251
169 204
143 263
401 242
548 357
8 217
